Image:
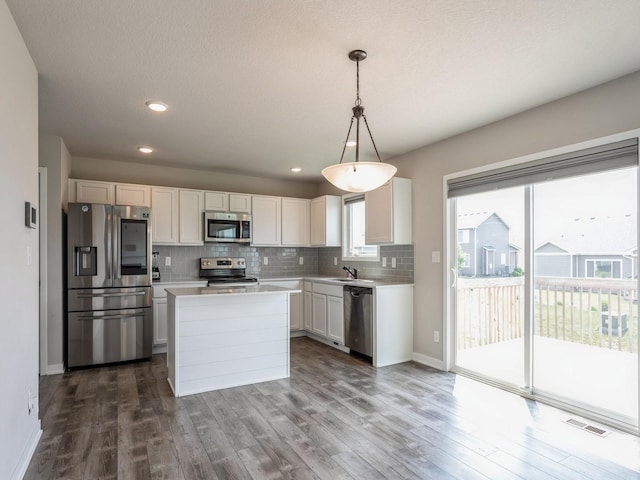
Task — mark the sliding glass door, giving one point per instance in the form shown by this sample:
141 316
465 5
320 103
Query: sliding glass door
585 291
490 285
544 295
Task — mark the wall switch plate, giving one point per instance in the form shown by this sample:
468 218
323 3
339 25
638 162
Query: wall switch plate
435 257
335 260
436 336
301 260
384 261
393 262
167 261
265 261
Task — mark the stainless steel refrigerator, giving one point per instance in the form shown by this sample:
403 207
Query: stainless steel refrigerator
109 300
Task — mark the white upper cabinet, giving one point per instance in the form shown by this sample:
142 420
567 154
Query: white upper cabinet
266 221
138 195
239 202
164 215
295 222
326 221
388 213
217 201
227 202
191 220
88 191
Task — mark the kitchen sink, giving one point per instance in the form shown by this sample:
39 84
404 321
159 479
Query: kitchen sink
346 280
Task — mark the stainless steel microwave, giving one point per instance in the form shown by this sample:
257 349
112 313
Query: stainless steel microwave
227 227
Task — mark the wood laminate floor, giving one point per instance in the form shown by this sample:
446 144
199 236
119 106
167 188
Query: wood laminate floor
334 418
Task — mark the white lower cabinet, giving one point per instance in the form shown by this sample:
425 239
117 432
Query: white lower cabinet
327 316
335 319
159 321
308 300
319 314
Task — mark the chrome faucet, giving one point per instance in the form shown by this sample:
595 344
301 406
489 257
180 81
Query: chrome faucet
353 273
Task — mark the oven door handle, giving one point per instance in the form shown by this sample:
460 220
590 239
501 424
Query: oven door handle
122 294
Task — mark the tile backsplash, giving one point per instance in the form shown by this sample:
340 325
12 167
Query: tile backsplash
284 261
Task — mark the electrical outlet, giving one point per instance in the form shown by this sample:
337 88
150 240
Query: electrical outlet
265 261
335 260
393 262
384 261
436 336
435 257
301 260
167 261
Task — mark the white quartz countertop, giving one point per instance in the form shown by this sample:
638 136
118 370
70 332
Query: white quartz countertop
245 290
341 281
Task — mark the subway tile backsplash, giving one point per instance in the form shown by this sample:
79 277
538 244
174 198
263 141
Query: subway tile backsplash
284 262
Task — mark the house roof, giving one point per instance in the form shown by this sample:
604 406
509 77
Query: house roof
474 220
595 237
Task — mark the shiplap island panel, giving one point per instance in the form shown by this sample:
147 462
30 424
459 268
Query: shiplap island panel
225 337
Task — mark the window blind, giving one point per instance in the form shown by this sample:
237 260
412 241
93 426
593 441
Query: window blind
354 199
591 160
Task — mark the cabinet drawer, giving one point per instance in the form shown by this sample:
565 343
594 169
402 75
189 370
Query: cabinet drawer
333 290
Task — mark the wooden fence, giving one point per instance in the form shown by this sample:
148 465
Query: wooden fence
598 312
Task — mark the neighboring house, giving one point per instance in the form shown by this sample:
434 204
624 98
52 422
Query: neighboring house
590 249
483 239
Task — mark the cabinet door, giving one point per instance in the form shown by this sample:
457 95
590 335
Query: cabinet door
95 192
159 321
266 220
379 215
138 195
335 319
239 202
319 313
164 212
308 311
217 201
191 208
295 311
317 221
295 222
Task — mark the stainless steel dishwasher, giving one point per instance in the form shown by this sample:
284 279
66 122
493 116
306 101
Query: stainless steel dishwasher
358 319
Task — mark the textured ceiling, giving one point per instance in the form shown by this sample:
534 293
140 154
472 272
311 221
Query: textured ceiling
258 86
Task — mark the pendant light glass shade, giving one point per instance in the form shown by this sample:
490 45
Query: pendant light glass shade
359 176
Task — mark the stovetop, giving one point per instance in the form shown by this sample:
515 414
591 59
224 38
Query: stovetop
225 271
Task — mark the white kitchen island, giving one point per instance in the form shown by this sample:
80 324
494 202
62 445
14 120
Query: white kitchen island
226 337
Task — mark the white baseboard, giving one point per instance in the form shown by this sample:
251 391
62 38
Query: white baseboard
30 448
428 361
297 333
159 349
55 369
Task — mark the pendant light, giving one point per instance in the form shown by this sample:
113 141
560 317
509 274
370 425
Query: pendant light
359 176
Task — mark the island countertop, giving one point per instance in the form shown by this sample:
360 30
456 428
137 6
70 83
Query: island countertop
229 290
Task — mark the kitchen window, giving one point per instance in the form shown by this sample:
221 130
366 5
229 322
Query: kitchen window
354 246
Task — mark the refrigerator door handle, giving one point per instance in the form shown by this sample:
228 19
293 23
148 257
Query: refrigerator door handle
115 238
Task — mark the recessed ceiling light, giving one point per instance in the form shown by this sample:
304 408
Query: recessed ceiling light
156 106
351 143
145 149
296 169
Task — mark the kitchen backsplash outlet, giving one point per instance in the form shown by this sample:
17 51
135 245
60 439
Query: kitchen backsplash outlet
284 262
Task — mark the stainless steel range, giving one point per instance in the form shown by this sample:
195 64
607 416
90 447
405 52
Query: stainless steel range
225 271
109 306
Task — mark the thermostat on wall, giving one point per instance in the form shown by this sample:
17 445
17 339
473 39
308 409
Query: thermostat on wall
30 215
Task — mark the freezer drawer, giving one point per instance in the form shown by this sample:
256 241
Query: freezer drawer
85 299
98 337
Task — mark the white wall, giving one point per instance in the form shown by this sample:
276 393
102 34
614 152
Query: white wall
126 172
19 430
54 155
607 109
